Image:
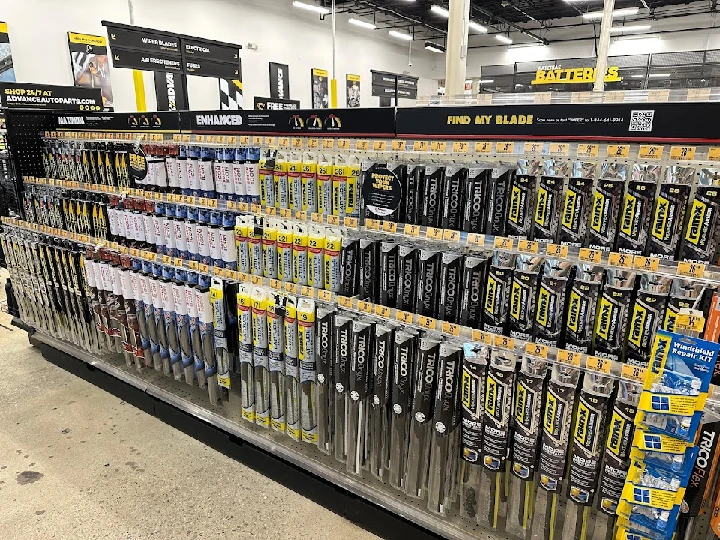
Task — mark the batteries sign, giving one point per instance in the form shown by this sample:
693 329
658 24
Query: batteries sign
381 190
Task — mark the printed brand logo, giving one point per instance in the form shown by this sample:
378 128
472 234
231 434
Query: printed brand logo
218 119
543 309
697 217
520 401
429 375
170 85
491 390
551 405
626 225
71 121
281 86
662 347
514 210
541 209
637 324
661 216
450 286
343 346
705 450
617 427
449 379
515 300
599 203
574 311
380 357
360 353
403 363
467 389
429 288
569 210
581 427
603 323
490 295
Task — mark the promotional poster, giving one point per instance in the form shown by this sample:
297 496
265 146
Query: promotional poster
7 71
279 81
353 90
320 89
90 65
170 92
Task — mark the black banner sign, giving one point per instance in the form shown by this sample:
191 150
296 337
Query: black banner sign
170 92
325 122
157 42
42 96
407 82
380 78
198 50
206 68
273 104
279 81
151 121
125 58
661 122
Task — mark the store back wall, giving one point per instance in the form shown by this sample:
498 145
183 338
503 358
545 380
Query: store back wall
38 34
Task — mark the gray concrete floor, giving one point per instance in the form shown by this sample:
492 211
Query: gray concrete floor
77 462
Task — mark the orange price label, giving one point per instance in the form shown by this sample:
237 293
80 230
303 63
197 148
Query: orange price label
504 342
537 350
484 147
482 337
379 146
220 272
364 306
559 149
316 218
683 153
404 316
177 261
504 243
460 147
688 269
283 142
557 250
623 260
398 146
602 365
343 144
328 144
450 328
618 150
476 239
256 280
650 151
427 322
232 205
528 246
350 222
212 203
243 207
285 213
590 255
569 357
382 311
649 264
451 236
363 144
307 291
297 142
333 220
505 147
372 224
257 140
533 147
325 296
275 284
193 265
269 210
166 259
633 373
204 268
270 141
345 302
255 208
389 227
412 230
433 233
420 146
291 288
438 146
313 144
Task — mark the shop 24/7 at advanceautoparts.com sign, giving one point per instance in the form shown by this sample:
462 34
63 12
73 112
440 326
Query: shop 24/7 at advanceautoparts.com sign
41 96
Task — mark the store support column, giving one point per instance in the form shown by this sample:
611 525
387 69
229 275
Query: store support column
456 54
603 45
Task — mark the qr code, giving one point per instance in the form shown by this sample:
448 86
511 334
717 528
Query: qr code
641 120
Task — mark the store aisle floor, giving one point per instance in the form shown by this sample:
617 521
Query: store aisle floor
77 462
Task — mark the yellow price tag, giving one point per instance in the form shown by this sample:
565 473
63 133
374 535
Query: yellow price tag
333 220
602 365
633 373
618 150
404 316
283 142
256 208
476 239
398 146
559 149
688 269
651 151
451 236
350 222
343 144
623 260
482 337
177 261
328 144
275 284
505 147
297 142
438 146
291 288
650 264
557 250
212 203
379 146
433 233
363 144
256 280
389 227
269 210
504 243
345 302
220 272
270 141
285 213
450 328
382 311
537 350
193 265
569 357
205 268
200 138
528 246
313 144
427 322
588 150
714 154
684 153
232 205
307 291
316 218
460 147
167 259
484 147
412 230
372 224
504 342
420 146
257 140
590 255
325 296
243 207
533 147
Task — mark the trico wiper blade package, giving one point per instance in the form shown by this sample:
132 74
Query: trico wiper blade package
325 392
637 207
402 388
433 186
700 238
476 194
454 187
497 203
605 210
575 213
669 214
676 387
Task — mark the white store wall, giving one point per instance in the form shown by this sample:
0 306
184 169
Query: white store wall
38 37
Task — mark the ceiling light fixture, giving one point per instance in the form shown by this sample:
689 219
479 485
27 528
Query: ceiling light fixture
400 35
434 47
362 24
477 27
630 28
439 10
659 75
597 15
526 45
487 81
503 38
311 7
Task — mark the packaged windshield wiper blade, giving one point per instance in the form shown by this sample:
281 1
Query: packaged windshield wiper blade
637 208
276 360
557 415
647 314
472 399
420 425
455 180
433 185
407 272
700 238
471 301
291 351
582 305
496 303
497 419
260 356
684 294
369 270
221 331
523 294
616 459
379 424
549 200
521 200
387 291
359 392
451 265
669 214
413 196
245 340
588 438
552 293
575 213
613 312
445 444
475 199
606 204
404 354
497 205
341 373
527 406
428 280
309 417
325 330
